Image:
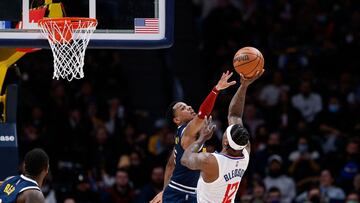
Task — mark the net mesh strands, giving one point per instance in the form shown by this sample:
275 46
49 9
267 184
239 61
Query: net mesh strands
68 39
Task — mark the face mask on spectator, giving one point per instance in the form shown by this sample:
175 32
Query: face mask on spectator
333 108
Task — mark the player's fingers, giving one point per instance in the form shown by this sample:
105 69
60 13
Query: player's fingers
223 75
229 75
232 83
210 119
242 76
213 127
262 71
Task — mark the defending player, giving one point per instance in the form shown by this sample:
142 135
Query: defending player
221 173
182 186
26 188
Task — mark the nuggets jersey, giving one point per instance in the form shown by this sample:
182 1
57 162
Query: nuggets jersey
13 186
224 188
183 179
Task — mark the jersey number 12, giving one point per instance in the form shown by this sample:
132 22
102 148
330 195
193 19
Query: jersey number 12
230 192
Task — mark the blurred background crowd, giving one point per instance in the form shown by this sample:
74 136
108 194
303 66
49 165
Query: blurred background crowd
109 140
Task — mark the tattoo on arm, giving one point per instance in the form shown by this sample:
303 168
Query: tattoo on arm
236 107
191 158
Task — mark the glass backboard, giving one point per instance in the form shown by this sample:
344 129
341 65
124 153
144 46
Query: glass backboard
121 23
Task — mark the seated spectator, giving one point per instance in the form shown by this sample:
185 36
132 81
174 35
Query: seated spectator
272 147
304 160
258 192
277 178
121 191
307 102
274 195
352 197
356 184
270 93
155 185
314 196
252 118
83 192
328 190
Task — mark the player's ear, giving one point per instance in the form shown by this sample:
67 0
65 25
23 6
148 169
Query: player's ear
176 120
226 143
47 169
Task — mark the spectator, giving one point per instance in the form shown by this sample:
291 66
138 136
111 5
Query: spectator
121 191
352 198
356 184
150 190
259 192
277 178
314 196
270 94
304 160
274 195
328 190
253 120
307 102
272 147
83 192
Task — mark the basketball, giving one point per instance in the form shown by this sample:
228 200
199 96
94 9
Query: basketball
247 61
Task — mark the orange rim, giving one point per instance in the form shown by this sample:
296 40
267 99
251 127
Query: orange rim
75 21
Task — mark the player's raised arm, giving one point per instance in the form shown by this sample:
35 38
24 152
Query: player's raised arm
236 107
191 158
205 109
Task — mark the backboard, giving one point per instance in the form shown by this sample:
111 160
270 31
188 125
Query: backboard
142 24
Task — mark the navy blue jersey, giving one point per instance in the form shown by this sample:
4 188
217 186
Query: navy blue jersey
13 186
183 179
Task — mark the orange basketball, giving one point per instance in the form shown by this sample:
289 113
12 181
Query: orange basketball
247 61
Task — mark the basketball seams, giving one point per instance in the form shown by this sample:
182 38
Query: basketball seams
250 67
255 68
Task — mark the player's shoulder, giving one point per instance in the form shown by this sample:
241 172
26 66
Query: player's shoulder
209 158
31 196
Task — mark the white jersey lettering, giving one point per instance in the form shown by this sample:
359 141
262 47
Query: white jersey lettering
224 188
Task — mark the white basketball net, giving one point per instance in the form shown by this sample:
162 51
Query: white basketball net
68 39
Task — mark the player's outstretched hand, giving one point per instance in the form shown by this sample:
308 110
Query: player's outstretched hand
208 129
157 198
248 81
223 82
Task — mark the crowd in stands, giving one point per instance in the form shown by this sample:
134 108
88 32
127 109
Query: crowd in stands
303 113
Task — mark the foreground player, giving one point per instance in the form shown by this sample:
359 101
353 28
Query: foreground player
221 173
182 186
26 188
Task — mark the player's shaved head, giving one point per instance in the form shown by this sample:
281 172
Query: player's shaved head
36 161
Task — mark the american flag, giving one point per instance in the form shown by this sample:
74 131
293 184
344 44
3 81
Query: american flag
146 25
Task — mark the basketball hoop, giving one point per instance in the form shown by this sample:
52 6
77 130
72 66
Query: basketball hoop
68 38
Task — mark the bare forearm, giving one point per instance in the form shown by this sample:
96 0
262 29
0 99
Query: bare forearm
169 169
236 107
188 159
